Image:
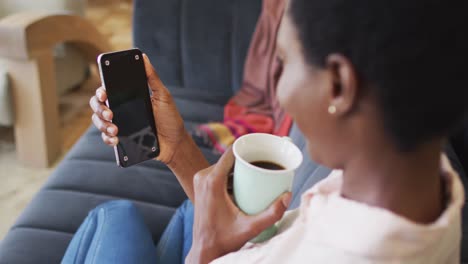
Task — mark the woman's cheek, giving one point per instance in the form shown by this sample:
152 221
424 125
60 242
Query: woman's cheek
280 91
285 92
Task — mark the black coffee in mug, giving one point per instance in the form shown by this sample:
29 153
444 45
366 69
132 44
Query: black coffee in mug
267 165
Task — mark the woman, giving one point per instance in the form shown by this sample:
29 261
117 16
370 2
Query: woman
375 87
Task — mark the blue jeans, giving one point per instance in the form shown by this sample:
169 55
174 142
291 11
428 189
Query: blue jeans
115 232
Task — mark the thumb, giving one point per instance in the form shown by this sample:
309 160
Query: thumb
153 78
271 215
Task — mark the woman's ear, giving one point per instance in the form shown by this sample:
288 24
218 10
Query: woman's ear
344 89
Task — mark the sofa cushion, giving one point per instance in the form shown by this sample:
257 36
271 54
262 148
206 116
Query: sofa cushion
206 54
64 211
24 245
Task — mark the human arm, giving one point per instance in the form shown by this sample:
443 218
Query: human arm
220 227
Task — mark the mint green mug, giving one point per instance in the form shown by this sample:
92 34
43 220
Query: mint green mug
255 188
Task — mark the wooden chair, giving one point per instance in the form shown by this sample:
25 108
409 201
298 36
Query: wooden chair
27 40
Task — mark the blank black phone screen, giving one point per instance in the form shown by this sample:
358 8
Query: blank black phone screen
124 78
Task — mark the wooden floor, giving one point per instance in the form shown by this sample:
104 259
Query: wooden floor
19 184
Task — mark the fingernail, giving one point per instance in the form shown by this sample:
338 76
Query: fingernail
99 95
113 141
107 115
286 200
111 130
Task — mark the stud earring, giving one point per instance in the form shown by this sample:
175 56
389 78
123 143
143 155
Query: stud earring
331 109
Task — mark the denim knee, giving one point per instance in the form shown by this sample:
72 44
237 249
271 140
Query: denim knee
113 230
121 204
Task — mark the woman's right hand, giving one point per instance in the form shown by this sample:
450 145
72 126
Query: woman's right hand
169 123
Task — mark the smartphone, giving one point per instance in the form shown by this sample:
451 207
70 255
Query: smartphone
128 96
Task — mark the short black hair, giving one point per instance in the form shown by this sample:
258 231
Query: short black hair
413 53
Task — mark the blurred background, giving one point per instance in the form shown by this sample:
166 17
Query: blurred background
76 82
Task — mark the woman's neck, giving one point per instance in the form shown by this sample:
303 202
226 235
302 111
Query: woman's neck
408 184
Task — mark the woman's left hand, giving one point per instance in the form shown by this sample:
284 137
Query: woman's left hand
220 227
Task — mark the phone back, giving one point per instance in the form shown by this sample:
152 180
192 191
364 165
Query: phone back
124 78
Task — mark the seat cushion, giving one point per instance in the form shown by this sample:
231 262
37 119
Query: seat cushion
197 44
32 245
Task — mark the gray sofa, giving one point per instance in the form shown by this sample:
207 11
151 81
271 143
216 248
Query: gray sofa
198 48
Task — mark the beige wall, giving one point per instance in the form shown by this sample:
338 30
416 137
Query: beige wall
11 6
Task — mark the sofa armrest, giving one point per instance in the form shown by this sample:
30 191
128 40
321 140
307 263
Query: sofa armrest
26 48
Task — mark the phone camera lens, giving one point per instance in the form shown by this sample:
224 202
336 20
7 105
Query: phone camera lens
137 57
125 158
107 63
153 149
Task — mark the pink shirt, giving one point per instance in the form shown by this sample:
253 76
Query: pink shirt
328 228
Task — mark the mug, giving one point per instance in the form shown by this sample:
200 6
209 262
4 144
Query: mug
255 188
